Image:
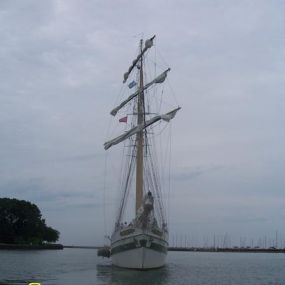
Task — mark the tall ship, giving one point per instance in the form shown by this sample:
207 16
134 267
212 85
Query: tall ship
142 241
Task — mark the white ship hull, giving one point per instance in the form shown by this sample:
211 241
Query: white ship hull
140 258
139 251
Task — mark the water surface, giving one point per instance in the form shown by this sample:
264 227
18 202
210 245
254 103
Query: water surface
82 266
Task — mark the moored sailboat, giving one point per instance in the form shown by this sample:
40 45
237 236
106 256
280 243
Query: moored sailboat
142 243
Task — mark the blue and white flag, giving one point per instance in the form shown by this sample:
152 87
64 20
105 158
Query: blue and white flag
132 84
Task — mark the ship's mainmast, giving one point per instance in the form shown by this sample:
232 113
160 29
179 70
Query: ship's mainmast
140 138
140 129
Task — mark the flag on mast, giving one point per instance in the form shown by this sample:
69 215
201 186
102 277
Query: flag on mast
132 84
124 120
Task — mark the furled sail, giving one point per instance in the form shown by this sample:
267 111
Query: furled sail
159 79
148 44
166 117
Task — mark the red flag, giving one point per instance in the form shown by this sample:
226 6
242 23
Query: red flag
124 119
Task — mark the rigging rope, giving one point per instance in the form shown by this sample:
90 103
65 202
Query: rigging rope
104 196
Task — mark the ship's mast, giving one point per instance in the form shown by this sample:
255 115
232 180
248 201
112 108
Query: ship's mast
140 138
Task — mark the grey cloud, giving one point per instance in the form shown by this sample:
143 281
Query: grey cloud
193 173
61 67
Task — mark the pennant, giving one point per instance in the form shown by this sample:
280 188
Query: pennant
132 84
124 120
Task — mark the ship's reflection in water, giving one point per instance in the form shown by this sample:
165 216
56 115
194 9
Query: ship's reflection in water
108 274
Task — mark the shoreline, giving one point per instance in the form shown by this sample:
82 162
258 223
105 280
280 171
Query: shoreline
248 250
200 249
31 246
5 246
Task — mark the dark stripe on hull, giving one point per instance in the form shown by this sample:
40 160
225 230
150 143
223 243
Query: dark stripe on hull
134 245
141 268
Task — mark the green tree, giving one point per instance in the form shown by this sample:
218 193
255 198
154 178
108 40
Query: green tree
21 222
50 234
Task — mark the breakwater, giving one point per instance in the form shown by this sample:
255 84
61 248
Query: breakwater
204 249
234 249
30 246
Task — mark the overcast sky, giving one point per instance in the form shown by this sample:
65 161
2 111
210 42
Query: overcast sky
61 67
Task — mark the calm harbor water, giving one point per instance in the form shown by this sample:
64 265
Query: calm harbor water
82 266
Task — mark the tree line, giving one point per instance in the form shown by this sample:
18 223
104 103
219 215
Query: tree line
21 222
